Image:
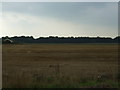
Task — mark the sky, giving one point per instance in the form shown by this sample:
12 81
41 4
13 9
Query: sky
42 19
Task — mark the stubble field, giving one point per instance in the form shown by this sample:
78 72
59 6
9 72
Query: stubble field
60 66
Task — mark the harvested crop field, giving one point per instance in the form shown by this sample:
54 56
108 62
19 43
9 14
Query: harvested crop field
60 65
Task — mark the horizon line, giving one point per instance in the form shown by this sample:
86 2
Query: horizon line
59 36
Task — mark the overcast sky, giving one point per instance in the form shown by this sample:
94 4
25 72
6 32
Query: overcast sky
59 19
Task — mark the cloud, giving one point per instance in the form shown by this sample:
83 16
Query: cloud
17 23
25 24
75 12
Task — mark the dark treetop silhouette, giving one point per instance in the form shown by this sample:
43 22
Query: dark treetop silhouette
56 39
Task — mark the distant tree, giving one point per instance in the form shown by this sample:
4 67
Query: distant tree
56 39
117 39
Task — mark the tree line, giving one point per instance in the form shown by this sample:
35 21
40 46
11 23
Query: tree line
56 39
